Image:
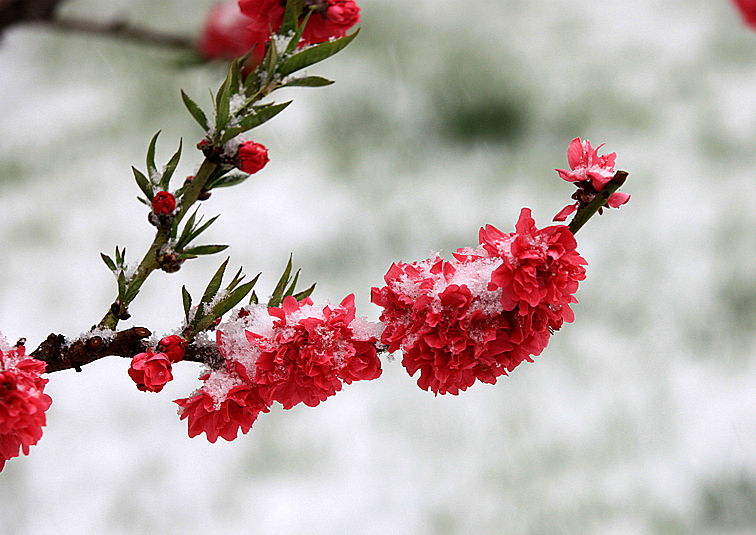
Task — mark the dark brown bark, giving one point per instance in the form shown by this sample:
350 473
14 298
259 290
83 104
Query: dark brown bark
62 354
18 11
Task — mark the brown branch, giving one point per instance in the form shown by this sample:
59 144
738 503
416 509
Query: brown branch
61 354
120 29
18 11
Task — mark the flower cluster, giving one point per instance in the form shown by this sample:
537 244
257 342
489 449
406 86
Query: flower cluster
232 28
748 10
590 173
151 371
298 353
481 314
22 401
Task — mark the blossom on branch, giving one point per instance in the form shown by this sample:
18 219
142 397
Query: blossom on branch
163 203
252 157
174 347
22 401
150 371
296 353
226 34
329 18
590 173
478 316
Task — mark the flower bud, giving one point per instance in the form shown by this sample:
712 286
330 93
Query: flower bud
163 203
252 157
174 347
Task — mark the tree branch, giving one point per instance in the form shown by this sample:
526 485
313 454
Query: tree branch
61 354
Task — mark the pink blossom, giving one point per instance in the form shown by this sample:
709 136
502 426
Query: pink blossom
226 34
150 371
22 401
748 11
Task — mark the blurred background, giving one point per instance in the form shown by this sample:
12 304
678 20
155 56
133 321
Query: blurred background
639 418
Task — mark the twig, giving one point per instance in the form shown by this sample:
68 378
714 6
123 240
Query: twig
120 29
586 212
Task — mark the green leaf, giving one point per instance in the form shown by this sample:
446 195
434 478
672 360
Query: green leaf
121 285
144 184
186 298
222 105
308 81
259 115
195 111
291 16
151 168
108 262
214 284
170 167
133 290
205 249
278 293
253 299
305 293
199 230
231 179
188 227
292 46
290 290
314 54
232 299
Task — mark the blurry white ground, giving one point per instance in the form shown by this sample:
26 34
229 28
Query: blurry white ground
640 418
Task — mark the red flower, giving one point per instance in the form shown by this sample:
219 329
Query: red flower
590 173
252 157
226 34
163 203
458 321
310 351
22 402
150 371
224 405
329 19
748 10
174 347
538 267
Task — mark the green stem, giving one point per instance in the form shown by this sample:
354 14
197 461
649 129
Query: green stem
149 262
586 212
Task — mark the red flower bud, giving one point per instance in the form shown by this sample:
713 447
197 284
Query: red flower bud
174 347
150 371
252 157
163 203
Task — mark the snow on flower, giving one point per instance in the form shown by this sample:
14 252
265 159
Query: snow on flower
590 173
479 315
330 18
296 353
22 401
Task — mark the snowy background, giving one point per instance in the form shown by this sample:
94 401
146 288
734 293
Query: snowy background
640 418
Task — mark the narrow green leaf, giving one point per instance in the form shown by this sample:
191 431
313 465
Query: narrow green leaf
293 285
186 298
236 280
253 299
294 41
232 299
108 262
305 293
170 167
201 229
195 111
133 290
144 201
314 54
205 250
222 105
259 115
278 293
226 181
308 81
184 239
151 167
291 16
121 285
144 184
214 284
